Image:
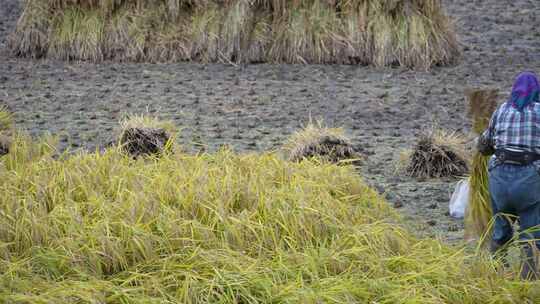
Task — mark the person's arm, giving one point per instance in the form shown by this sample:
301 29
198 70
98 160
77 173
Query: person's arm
486 143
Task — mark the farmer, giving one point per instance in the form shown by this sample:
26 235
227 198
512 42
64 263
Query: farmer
513 136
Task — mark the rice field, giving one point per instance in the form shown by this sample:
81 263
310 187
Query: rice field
244 224
218 228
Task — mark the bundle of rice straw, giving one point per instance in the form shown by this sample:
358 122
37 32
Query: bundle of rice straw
482 104
326 144
6 129
144 136
412 33
438 154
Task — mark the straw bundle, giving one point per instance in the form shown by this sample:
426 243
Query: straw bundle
6 126
5 144
413 33
142 136
438 154
482 104
323 143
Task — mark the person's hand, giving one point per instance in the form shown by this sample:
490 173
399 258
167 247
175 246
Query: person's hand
484 146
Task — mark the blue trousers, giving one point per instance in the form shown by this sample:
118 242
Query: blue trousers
515 191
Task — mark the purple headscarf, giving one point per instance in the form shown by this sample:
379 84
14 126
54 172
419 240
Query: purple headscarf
525 91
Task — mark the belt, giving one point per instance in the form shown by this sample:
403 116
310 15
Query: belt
516 157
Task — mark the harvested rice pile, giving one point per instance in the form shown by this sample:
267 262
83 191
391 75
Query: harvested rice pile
142 136
413 33
482 104
6 126
222 228
438 154
5 143
326 144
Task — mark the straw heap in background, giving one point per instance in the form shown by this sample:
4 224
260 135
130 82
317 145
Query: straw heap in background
413 33
482 104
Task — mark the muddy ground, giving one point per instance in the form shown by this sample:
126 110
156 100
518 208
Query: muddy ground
255 107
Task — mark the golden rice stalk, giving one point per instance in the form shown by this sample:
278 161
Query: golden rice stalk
308 33
170 43
31 36
482 104
355 34
127 35
204 33
78 35
479 213
219 228
235 37
260 38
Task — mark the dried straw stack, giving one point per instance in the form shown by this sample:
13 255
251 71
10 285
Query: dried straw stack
6 130
146 136
482 104
438 154
413 33
326 144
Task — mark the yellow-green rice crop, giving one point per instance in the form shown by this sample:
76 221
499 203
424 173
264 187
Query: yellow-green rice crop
482 103
220 228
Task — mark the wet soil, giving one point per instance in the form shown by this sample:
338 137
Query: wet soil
255 107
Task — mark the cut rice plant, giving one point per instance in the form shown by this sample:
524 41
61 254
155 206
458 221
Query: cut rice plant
78 34
482 104
143 135
438 154
479 212
6 130
127 34
6 120
5 144
204 31
237 33
218 228
413 33
31 36
308 33
317 141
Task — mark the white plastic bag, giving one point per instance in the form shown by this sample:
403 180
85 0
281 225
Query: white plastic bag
460 199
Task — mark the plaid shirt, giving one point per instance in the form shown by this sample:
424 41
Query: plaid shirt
510 128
